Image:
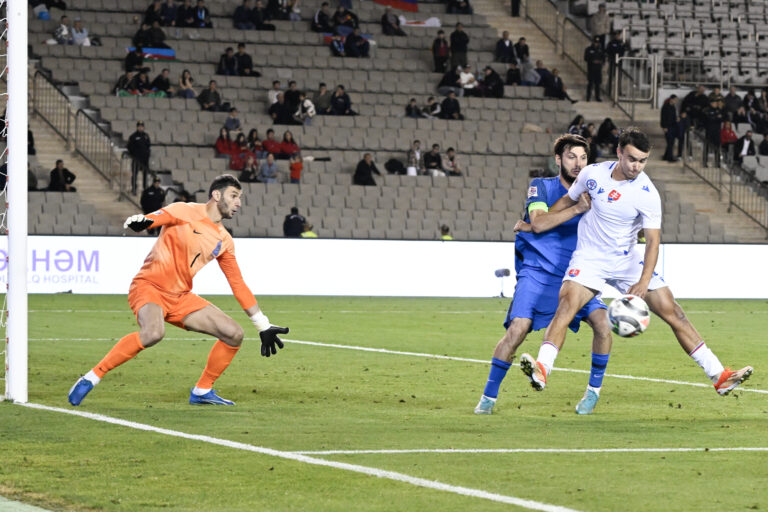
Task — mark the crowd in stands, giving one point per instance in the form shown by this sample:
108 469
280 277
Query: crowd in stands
255 158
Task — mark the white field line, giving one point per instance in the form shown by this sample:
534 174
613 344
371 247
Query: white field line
532 450
433 356
380 473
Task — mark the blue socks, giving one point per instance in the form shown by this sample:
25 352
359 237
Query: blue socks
599 362
498 372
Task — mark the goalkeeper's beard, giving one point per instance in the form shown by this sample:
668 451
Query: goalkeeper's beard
225 210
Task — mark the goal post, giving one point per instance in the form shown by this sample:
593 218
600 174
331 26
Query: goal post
16 366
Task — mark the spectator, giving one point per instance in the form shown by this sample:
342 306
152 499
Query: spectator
168 13
528 74
254 143
600 24
210 99
134 60
341 105
608 135
713 120
63 32
491 85
459 46
152 199
281 112
440 52
431 109
260 16
153 13
365 171
522 51
412 110
240 153
202 15
615 50
763 149
716 95
225 147
390 23
61 179
338 49
80 34
505 50
31 178
163 83
244 62
250 172
242 16
762 100
745 146
227 63
293 225
458 7
232 123
292 95
556 87
322 99
415 159
594 56
727 137
143 37
577 125
513 74
308 233
451 82
273 92
268 170
740 117
450 108
356 45
467 81
185 85
288 148
344 21
732 103
123 83
141 84
305 111
140 148
270 145
185 16
296 167
157 36
545 76
445 233
321 22
433 162
669 121
694 104
451 164
750 101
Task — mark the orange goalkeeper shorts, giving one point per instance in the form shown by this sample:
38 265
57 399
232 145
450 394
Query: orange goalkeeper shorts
176 306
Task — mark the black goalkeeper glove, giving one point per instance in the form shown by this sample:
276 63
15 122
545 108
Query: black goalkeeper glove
269 339
137 223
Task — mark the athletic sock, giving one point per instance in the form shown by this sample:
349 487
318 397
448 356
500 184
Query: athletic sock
498 372
547 355
124 350
708 361
218 359
597 372
200 391
92 377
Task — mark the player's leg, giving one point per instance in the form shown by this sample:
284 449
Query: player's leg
602 340
662 302
211 320
573 297
151 331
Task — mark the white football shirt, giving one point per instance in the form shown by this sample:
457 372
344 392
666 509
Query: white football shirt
619 209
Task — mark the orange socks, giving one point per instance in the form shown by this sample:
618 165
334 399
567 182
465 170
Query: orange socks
218 360
124 350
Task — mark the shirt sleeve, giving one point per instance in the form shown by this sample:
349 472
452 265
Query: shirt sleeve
650 209
579 186
537 196
176 213
231 270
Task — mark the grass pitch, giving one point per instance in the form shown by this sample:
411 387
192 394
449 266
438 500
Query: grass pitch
313 398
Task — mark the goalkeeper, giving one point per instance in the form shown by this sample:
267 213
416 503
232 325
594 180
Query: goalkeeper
191 236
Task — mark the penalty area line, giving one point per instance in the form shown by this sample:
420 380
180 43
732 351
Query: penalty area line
531 450
298 457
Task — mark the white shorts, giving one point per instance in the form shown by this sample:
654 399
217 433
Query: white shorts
596 270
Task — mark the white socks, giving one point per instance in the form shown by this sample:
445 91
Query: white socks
547 355
92 377
596 390
708 361
199 391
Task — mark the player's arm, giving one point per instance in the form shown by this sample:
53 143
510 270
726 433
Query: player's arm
543 219
156 219
270 341
652 242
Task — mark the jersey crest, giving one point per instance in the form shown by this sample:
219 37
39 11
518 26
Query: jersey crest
591 184
613 196
533 191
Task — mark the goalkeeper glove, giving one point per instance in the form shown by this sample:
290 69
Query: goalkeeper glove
268 334
137 222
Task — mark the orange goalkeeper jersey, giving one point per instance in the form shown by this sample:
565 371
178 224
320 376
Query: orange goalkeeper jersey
188 240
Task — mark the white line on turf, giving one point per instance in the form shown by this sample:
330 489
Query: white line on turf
532 450
432 356
380 473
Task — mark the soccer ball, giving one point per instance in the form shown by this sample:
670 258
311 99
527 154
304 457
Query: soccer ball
629 316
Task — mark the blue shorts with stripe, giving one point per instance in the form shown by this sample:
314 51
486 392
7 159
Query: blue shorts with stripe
537 299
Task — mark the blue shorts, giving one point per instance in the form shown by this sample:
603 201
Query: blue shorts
538 301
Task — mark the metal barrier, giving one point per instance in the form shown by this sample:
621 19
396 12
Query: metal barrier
94 144
52 105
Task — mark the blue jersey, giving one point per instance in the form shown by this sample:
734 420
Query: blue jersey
546 254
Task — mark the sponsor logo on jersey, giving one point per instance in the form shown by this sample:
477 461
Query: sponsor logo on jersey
600 190
533 191
613 196
645 187
573 272
591 184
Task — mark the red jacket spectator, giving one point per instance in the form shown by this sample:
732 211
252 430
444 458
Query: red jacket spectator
224 144
288 147
727 135
296 167
270 145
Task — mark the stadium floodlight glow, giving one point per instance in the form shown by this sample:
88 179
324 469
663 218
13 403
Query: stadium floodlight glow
16 117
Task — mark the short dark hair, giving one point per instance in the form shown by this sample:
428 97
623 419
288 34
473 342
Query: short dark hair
449 150
270 131
440 32
435 146
322 84
223 181
291 82
275 82
241 45
294 210
568 141
632 135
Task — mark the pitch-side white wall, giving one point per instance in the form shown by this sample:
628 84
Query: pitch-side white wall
368 267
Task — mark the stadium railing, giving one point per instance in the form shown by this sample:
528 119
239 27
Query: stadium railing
52 105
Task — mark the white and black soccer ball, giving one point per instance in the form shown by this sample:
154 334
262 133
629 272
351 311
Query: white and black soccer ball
629 316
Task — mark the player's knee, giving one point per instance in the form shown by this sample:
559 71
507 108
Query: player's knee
152 334
234 335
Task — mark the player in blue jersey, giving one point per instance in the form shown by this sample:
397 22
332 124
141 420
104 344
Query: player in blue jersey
543 248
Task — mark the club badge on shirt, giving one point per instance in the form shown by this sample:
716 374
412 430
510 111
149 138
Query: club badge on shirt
533 191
